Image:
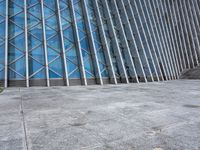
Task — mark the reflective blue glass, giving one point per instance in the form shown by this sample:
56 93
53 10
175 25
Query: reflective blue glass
35 41
2 39
55 62
87 59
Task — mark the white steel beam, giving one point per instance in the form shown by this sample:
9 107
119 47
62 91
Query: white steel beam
26 43
104 43
63 55
132 42
157 47
77 42
6 46
91 43
123 73
182 36
134 23
192 30
169 37
153 51
186 32
167 50
45 44
124 43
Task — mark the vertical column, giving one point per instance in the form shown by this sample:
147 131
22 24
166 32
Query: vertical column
110 41
145 42
182 36
163 29
91 43
6 47
193 31
194 10
62 45
26 43
181 45
185 31
168 8
105 44
169 37
149 40
77 42
190 33
123 73
197 8
123 44
131 42
161 38
45 44
159 50
135 27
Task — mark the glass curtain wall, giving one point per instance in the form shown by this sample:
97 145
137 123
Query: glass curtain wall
67 42
2 39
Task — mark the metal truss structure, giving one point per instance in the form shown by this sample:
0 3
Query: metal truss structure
82 42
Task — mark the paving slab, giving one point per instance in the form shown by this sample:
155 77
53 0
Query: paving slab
146 116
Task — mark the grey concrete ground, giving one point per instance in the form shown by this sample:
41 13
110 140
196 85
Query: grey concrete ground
152 116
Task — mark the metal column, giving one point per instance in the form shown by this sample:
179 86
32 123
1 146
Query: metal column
105 44
45 45
159 49
77 41
66 79
123 72
6 47
91 44
26 43
132 42
124 43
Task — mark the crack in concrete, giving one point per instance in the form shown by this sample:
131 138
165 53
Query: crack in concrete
23 121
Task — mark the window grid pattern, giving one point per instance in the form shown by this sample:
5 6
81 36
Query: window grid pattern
69 42
108 39
35 41
96 38
16 38
83 37
2 38
51 42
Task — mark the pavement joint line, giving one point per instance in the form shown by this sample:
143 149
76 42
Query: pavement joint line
23 121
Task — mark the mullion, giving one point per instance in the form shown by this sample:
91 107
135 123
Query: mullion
51 28
36 59
15 60
16 72
55 72
32 49
37 71
33 5
54 59
73 71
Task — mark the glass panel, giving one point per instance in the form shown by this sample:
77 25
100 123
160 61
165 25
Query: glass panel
53 40
35 38
96 37
16 55
2 39
69 43
87 59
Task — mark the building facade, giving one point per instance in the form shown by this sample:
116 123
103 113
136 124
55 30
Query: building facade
82 42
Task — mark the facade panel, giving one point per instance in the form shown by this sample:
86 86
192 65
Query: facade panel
81 42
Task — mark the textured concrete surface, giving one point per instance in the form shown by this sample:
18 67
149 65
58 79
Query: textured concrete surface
153 116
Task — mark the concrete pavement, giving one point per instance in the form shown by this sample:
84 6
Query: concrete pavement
152 116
